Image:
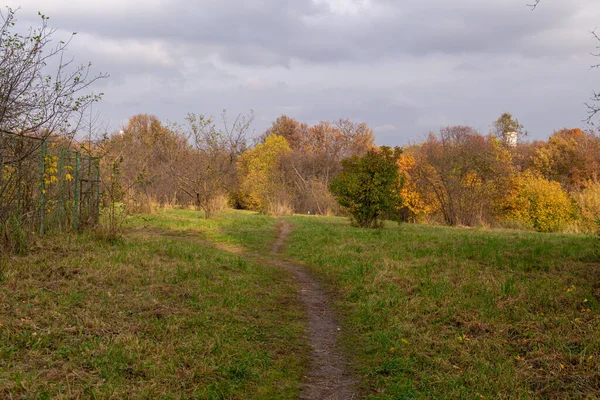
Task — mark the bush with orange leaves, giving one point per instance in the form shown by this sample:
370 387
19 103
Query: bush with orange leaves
415 204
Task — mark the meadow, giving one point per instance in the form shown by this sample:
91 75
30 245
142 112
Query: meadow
438 312
158 314
183 307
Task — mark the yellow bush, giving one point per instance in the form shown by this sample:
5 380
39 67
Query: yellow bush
539 203
588 207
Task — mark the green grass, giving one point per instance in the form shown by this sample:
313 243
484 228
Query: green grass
158 315
436 312
241 230
178 309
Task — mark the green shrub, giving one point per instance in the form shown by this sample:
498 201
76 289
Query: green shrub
369 186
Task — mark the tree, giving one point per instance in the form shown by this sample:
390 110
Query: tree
415 203
571 157
34 100
464 172
264 184
143 171
369 187
43 94
205 167
508 129
588 206
316 157
293 131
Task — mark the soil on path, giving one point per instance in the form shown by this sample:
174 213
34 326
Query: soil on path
328 376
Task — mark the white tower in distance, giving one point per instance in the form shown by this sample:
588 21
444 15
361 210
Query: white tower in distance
511 138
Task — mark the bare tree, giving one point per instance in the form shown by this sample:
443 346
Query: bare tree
34 100
205 167
144 169
593 104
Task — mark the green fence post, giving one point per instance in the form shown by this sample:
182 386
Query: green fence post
20 183
42 186
76 206
60 187
97 193
19 191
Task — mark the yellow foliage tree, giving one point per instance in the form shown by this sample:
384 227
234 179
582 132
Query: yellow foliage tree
263 182
415 203
539 203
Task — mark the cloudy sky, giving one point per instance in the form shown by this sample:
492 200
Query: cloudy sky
403 66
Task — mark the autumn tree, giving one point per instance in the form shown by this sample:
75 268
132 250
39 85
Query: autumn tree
464 172
205 167
316 157
263 178
571 157
143 166
43 94
539 203
369 187
416 203
290 129
588 207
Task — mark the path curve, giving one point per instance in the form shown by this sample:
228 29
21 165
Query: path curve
328 377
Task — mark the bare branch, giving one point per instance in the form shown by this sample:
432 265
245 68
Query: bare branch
534 5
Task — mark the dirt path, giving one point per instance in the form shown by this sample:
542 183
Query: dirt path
328 376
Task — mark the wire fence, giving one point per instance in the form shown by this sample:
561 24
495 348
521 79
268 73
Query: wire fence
46 185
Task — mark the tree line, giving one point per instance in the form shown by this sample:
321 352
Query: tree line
457 176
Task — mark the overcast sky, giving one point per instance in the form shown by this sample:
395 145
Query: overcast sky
403 66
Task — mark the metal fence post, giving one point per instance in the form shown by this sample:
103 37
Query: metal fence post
59 210
20 182
97 193
19 192
76 206
42 186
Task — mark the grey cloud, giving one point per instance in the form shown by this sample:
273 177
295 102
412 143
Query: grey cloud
272 32
410 64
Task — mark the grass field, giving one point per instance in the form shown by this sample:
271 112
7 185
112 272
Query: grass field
158 315
177 310
435 312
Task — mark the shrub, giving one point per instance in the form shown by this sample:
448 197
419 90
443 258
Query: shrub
588 207
539 203
369 186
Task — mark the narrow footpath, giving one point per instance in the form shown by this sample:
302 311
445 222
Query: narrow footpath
328 377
